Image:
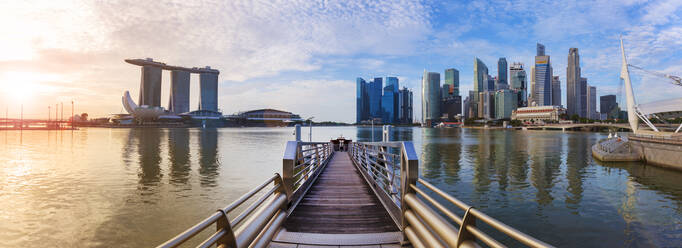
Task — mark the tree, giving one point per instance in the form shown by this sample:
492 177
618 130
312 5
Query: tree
84 117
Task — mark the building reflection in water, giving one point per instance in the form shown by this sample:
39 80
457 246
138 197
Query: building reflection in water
518 161
440 157
576 162
502 153
149 152
483 159
545 165
208 156
179 155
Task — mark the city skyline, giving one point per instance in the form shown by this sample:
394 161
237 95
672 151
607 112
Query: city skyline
73 50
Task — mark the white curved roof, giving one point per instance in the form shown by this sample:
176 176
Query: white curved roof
669 105
140 111
128 103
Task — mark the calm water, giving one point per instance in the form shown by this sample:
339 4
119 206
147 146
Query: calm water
139 187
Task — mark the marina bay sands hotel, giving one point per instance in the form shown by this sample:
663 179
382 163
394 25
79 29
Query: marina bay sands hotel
150 86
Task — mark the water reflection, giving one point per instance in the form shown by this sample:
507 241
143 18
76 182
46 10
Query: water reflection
208 156
543 183
545 166
483 163
440 156
518 161
576 163
179 155
149 152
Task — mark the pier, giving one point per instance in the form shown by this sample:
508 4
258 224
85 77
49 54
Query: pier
31 124
343 193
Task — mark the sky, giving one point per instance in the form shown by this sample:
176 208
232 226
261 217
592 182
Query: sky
304 56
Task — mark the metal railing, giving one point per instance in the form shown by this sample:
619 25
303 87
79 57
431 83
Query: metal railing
257 224
302 163
379 164
422 224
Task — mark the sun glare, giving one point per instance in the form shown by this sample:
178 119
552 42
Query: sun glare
21 87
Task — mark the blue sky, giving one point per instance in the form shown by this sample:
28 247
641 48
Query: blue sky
304 56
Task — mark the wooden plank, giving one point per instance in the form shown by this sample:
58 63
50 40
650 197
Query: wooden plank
340 201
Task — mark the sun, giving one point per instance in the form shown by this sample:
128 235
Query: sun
20 87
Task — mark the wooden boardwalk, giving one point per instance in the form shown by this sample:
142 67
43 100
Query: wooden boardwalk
341 203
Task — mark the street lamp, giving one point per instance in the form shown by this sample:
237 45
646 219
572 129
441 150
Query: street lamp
310 134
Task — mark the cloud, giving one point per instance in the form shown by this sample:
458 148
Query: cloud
248 39
85 41
662 12
271 47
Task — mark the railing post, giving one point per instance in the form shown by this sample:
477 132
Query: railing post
464 235
318 160
409 174
386 134
288 164
227 240
297 132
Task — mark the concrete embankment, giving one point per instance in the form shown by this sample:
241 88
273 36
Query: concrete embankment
660 151
655 150
615 150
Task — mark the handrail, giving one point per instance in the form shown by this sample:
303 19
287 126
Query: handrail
257 224
420 215
301 164
390 168
244 229
380 164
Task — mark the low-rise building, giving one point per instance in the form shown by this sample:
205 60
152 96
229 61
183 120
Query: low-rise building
538 113
265 117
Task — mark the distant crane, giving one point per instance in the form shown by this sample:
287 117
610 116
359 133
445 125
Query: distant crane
676 80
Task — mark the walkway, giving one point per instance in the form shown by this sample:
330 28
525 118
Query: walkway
341 203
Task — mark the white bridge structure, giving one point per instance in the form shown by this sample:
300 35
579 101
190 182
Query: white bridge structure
638 112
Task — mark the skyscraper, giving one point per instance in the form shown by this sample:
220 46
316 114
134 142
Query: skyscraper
362 100
592 102
502 70
517 81
583 98
531 94
375 89
452 79
389 102
466 114
540 49
472 107
556 91
393 81
607 105
573 85
150 86
490 81
445 91
208 91
178 101
405 106
486 105
451 107
543 78
431 98
480 76
505 103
